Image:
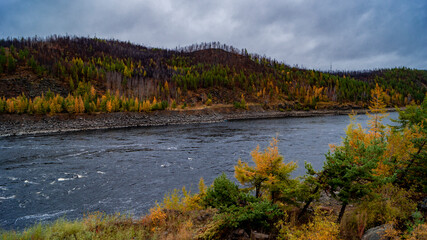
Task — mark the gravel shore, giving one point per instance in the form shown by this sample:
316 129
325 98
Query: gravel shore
15 124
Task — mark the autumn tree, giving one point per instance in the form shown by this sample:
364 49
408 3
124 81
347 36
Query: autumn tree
270 174
412 167
377 111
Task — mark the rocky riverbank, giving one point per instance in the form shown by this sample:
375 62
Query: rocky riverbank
15 124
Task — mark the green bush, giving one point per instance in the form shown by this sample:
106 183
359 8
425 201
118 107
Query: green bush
173 104
224 193
239 105
258 215
164 105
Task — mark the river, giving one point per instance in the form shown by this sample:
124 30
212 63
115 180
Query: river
46 177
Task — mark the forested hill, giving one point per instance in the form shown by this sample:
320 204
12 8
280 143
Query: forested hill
206 73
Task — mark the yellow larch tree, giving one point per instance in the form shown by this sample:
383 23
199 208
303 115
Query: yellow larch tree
269 175
378 112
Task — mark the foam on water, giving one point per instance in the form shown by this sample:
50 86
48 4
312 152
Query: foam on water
64 179
44 216
6 198
30 182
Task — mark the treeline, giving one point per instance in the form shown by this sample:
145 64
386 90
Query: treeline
135 71
83 100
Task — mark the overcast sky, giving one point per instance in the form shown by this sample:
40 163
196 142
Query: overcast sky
351 35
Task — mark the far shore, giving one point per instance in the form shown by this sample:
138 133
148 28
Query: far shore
16 124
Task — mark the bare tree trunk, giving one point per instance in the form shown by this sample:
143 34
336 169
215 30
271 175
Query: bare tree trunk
344 205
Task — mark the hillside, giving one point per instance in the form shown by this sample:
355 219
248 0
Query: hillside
207 73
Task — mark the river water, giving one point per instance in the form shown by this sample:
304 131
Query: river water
46 177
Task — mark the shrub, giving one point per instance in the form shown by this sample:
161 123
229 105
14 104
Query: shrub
164 105
320 228
391 204
224 193
258 215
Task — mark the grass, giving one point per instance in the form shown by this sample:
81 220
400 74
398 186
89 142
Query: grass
176 225
93 226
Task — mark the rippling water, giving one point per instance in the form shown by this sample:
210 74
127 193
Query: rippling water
46 177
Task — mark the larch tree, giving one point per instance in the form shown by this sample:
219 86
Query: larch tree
269 175
377 111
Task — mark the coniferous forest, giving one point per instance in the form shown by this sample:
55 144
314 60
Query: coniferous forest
63 74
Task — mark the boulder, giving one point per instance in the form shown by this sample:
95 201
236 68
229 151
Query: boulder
258 236
239 234
376 233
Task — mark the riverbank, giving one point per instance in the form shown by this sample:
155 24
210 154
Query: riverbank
15 124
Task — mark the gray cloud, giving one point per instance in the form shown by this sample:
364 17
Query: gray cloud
362 34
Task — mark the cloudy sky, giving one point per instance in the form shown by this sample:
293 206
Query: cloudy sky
351 35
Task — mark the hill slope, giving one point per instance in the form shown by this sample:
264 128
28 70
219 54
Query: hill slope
193 75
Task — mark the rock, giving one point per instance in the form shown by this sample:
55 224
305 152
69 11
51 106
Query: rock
376 233
239 234
326 210
256 235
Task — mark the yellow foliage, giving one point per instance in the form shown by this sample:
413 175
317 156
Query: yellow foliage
135 107
400 147
378 111
92 91
208 102
320 228
166 87
55 104
69 104
109 106
154 101
21 104
10 106
186 202
79 106
202 186
157 216
38 105
146 106
418 233
269 170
